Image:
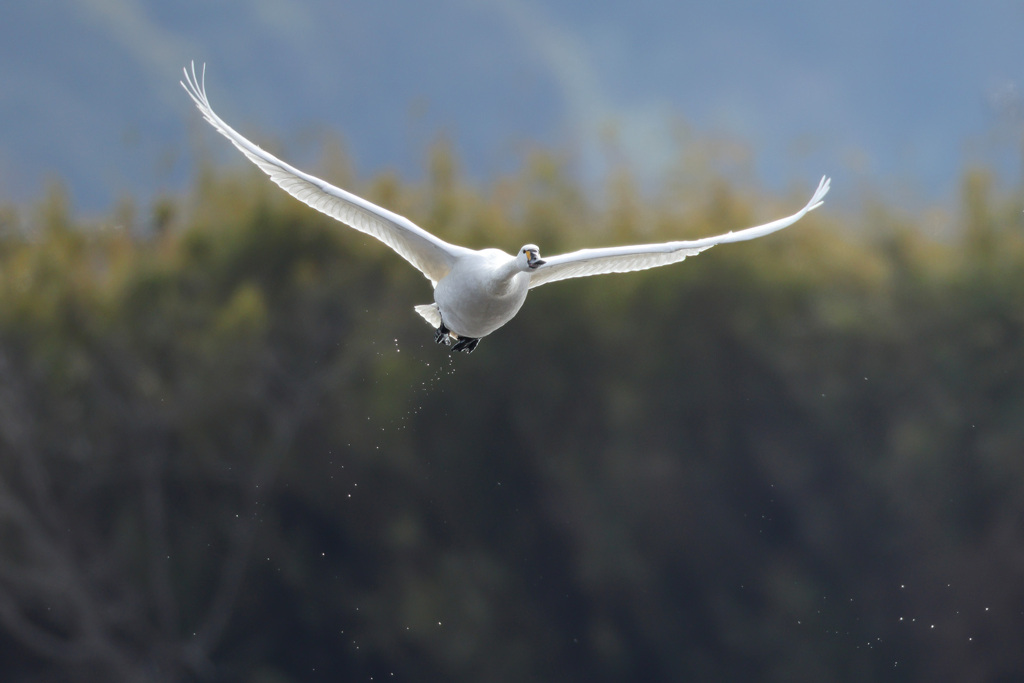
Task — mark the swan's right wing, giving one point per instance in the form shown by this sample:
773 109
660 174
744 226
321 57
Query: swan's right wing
430 254
643 256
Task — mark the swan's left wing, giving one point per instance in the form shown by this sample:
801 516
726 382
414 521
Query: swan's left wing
430 254
643 256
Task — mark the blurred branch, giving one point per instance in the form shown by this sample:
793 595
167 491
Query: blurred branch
46 601
293 407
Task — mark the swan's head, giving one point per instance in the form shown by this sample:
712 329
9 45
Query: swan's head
529 257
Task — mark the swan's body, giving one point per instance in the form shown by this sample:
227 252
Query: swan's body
475 292
483 291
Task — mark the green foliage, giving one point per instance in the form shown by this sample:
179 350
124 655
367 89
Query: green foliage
229 450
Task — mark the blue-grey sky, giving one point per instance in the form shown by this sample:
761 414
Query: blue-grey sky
878 93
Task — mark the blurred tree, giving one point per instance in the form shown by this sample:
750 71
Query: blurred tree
229 450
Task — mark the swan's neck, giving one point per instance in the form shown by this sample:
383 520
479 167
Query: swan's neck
505 277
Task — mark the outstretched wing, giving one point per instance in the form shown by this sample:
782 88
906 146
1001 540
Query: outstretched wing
430 254
643 256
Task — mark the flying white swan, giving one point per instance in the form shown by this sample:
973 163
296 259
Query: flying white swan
475 292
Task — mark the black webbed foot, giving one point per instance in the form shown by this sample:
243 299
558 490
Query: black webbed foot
466 344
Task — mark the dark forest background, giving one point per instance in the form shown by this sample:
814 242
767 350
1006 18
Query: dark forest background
230 451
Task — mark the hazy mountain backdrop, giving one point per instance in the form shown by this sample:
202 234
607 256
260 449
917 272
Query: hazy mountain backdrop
875 92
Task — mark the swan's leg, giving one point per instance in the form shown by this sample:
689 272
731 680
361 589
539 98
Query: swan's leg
442 336
466 344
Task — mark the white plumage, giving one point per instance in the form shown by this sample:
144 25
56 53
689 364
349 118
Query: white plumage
475 292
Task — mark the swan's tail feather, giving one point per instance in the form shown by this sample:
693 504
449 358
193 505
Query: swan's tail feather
430 314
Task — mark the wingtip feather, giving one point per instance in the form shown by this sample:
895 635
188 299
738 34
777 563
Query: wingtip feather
818 198
195 85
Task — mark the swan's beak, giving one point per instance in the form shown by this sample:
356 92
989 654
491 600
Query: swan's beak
533 259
